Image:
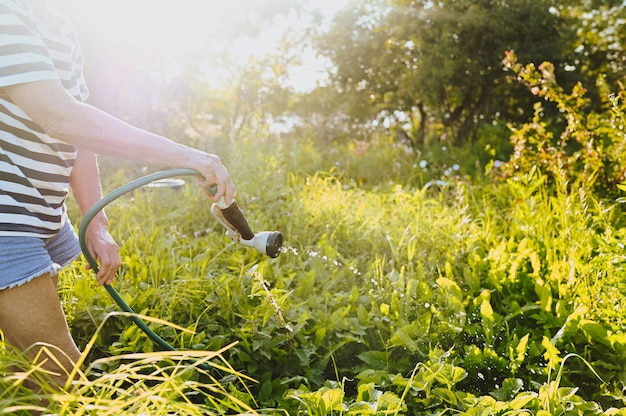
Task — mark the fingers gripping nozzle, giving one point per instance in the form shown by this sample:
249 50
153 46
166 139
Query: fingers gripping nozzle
237 229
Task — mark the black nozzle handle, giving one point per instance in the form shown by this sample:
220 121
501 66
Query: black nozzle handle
235 217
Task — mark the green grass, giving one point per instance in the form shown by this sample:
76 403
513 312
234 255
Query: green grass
179 382
390 298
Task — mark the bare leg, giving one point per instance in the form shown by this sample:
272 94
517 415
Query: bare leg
30 314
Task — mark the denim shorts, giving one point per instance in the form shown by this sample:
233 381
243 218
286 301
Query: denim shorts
24 258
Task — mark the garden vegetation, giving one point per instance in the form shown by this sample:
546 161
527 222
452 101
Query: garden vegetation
448 260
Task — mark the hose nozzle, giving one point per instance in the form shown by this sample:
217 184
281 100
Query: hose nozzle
238 230
265 242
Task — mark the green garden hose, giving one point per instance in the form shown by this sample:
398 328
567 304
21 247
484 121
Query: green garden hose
265 242
93 263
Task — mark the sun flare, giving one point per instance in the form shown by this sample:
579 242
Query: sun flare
158 26
161 33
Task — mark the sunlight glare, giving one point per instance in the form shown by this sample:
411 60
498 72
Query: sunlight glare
163 32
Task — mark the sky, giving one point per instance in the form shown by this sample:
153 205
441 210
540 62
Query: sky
172 28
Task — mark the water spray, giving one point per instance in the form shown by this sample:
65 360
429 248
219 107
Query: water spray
265 242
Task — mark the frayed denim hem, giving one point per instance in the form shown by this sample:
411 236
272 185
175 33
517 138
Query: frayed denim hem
54 269
24 258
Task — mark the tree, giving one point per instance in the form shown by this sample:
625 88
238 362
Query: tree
437 64
598 58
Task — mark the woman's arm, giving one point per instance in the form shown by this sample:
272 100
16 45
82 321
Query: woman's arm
62 117
85 185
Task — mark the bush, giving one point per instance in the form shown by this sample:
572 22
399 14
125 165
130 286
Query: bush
588 151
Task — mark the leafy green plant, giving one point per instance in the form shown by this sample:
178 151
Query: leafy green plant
587 151
389 298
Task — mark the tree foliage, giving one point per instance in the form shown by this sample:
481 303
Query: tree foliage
436 66
421 69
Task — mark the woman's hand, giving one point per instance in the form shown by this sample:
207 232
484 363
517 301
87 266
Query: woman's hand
215 173
105 250
85 184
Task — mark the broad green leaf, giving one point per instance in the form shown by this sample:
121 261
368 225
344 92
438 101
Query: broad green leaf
333 399
595 332
361 408
522 400
521 349
552 354
377 360
448 396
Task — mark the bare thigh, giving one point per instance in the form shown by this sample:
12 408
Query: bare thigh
32 314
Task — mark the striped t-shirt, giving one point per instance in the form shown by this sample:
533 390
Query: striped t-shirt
34 167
